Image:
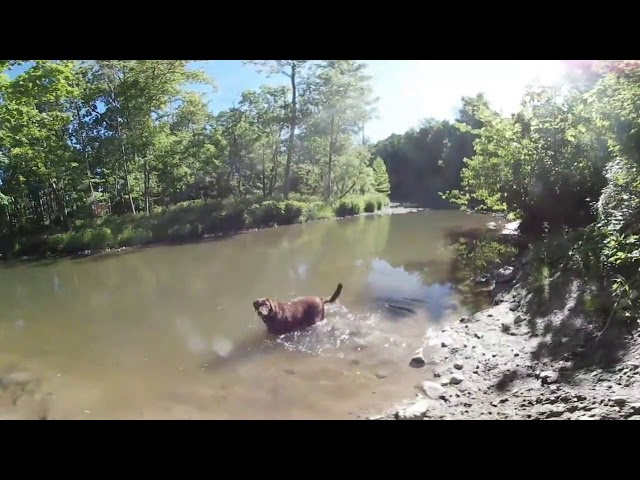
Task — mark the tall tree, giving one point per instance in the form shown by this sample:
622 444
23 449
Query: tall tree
297 71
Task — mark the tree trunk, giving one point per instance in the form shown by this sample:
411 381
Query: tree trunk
292 132
328 192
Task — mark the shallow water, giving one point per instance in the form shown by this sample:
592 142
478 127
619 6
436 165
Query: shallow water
169 332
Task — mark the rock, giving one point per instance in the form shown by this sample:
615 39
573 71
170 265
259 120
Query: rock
619 399
514 306
381 375
416 411
511 227
444 344
418 360
478 335
16 378
465 319
458 365
456 379
635 407
492 226
518 319
444 382
433 390
505 274
556 411
548 377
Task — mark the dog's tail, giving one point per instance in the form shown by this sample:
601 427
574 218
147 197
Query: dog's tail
335 295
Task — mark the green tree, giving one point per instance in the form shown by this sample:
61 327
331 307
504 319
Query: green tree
381 177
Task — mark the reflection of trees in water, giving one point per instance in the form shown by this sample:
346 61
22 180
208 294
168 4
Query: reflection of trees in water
344 250
474 256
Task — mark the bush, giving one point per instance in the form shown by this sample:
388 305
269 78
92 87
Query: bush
56 243
34 245
179 233
317 211
132 237
193 220
348 207
293 212
265 214
99 239
370 205
76 241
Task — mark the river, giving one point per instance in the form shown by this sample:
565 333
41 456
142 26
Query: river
169 332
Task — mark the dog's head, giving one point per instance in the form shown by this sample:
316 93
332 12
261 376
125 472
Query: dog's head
263 307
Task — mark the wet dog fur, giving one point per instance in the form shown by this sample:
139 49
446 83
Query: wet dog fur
282 318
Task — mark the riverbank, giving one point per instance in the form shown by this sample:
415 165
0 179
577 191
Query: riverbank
537 353
192 222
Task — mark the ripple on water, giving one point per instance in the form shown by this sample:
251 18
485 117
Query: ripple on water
344 331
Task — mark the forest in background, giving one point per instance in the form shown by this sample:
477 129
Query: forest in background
96 154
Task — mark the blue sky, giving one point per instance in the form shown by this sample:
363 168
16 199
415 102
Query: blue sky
410 90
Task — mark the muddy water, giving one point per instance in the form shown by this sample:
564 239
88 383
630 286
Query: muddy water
169 332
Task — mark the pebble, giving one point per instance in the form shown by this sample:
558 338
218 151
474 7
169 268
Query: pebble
478 335
458 365
518 319
444 345
289 371
465 319
444 382
513 307
418 360
549 377
381 375
456 379
433 390
619 399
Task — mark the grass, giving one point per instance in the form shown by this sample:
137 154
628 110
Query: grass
190 221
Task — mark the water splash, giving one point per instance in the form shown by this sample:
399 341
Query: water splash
343 329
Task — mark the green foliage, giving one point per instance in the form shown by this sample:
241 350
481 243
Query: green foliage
381 177
369 205
427 161
95 143
348 207
133 236
567 162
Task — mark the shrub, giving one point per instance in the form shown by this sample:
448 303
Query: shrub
317 211
370 205
99 239
293 212
56 243
179 233
348 207
131 237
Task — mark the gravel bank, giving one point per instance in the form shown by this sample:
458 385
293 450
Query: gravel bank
504 363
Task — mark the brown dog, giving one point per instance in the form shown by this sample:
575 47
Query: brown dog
281 318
